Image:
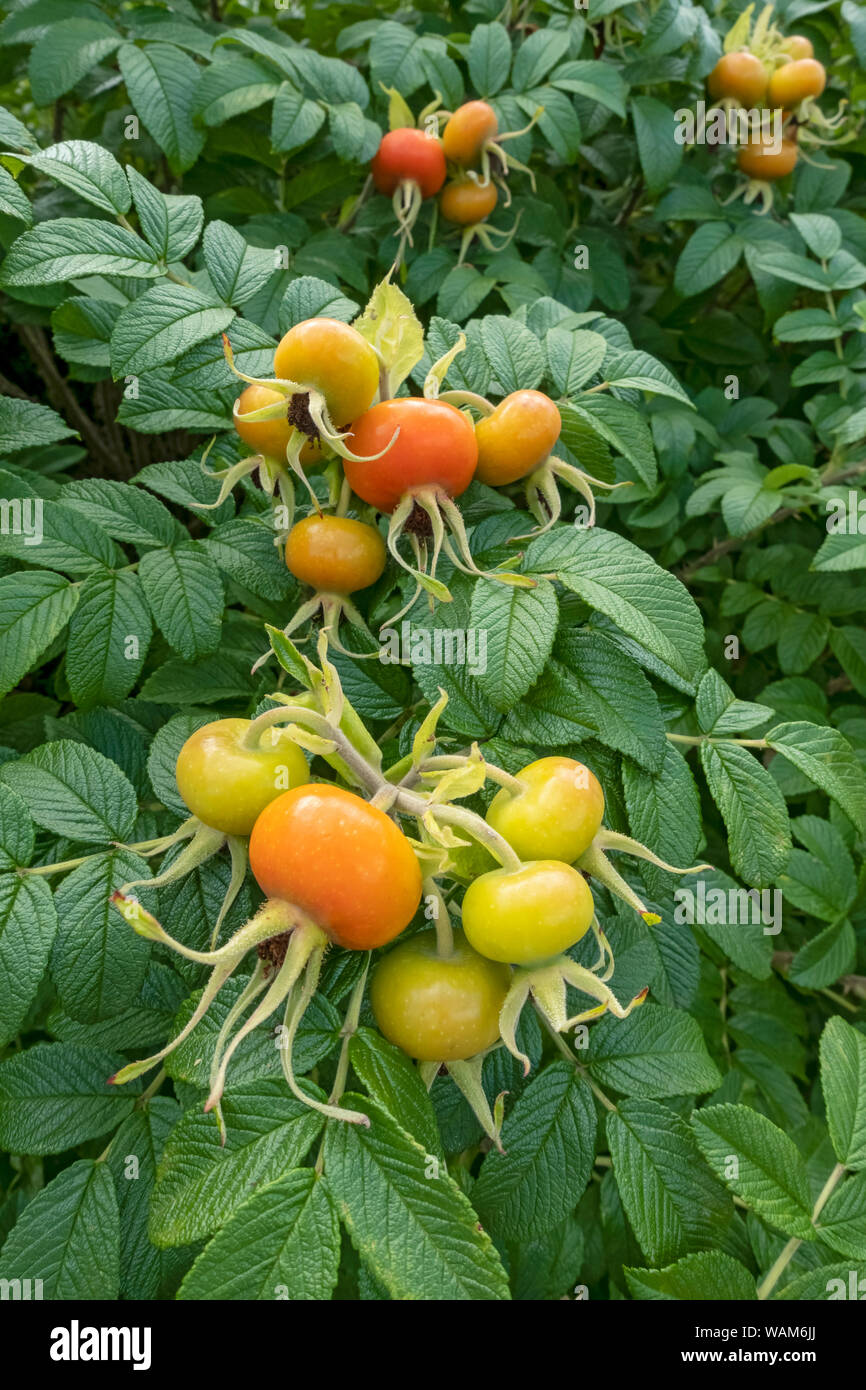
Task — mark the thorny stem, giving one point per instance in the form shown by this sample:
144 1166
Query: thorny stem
795 1242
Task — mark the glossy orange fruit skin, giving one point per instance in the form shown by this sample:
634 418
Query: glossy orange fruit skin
335 553
464 201
516 438
466 131
268 437
791 84
798 46
227 785
436 447
333 358
759 161
409 155
741 76
271 437
339 859
438 1008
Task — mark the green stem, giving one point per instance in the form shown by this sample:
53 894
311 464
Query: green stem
347 1032
444 930
795 1242
695 739
151 1090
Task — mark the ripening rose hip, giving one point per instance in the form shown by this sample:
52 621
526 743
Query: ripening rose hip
556 816
341 860
225 783
335 553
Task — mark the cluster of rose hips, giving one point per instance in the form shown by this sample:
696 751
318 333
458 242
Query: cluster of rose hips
336 868
785 78
405 457
412 164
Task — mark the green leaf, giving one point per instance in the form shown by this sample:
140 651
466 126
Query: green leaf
89 170
536 56
162 324
707 1276
826 757
126 513
600 82
843 1081
659 151
408 1219
170 223
34 608
826 1283
549 1143
574 356
97 967
654 1053
821 234
82 330
74 791
68 247
17 836
185 594
622 581
513 352
161 81
68 1237
284 1242
66 54
232 85
201 1183
708 256
237 270
641 372
24 424
842 1223
848 645
664 807
67 541
108 638
141 1138
719 712
28 921
489 58
56 1095
309 297
613 696
295 120
619 424
674 1204
13 200
759 1163
519 626
394 1081
753 809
